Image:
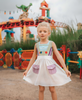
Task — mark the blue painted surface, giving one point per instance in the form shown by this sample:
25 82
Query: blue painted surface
9 31
72 52
11 17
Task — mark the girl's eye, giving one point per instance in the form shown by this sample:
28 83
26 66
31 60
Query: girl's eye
44 31
40 31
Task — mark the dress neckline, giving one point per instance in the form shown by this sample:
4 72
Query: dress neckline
45 43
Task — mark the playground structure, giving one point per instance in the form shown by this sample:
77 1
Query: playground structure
20 59
24 22
79 26
78 62
44 7
9 34
27 35
25 32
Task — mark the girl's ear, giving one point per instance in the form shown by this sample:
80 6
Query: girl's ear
49 33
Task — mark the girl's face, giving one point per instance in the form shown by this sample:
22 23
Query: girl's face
43 32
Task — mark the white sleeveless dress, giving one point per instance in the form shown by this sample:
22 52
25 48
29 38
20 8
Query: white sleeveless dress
45 71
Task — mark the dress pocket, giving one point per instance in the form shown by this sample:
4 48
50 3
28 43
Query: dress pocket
35 68
52 69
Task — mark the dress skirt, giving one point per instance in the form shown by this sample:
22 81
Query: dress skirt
46 72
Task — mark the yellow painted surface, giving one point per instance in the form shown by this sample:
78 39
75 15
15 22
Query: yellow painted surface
24 33
28 19
80 54
26 50
16 67
67 67
4 66
53 27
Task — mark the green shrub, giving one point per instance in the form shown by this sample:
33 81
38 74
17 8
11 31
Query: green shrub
27 45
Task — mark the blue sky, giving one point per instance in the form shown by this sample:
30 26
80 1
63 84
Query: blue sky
65 11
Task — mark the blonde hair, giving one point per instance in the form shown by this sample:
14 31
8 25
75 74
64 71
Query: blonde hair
46 24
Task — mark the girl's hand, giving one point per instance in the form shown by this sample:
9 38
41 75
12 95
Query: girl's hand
25 72
68 73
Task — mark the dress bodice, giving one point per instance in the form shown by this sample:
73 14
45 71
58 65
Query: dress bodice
44 49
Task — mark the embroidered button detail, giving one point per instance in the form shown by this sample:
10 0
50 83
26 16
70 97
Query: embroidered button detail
46 52
40 52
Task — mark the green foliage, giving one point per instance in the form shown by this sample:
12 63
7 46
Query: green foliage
74 68
67 37
27 45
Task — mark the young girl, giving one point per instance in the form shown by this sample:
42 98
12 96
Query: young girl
44 71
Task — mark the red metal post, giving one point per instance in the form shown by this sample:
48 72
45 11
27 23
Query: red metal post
43 12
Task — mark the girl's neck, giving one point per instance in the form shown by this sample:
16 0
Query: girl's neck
44 41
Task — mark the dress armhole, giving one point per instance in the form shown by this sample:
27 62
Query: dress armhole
37 45
51 45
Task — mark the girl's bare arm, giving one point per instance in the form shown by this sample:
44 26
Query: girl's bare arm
32 59
60 58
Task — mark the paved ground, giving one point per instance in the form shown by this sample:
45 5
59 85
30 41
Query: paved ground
13 87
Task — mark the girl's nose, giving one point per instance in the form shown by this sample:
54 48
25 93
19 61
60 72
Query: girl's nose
42 31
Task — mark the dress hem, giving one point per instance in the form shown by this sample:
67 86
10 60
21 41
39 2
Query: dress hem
47 85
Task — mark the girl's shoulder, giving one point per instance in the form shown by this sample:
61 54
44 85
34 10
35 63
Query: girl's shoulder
51 41
37 44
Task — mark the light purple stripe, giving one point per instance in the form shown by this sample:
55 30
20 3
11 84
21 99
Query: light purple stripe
37 52
50 52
